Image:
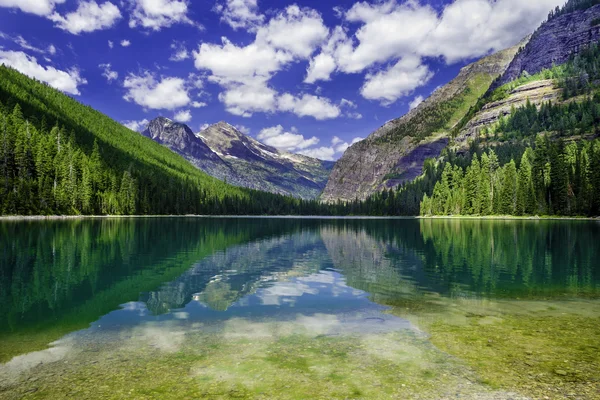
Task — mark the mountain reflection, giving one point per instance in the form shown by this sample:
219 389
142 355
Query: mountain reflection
60 276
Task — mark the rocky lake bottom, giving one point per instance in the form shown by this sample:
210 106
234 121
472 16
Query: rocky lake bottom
299 308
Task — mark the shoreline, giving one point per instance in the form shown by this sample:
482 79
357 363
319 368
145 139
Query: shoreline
455 217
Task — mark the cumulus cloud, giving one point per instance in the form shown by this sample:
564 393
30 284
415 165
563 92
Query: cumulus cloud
244 72
309 105
88 17
198 104
66 81
329 153
277 137
158 14
183 116
246 99
136 125
111 44
415 102
397 81
125 43
320 68
145 90
296 30
109 74
38 7
240 14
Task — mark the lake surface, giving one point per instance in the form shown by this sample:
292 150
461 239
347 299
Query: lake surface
299 308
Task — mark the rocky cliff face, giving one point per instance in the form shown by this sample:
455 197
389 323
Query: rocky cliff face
227 154
554 42
537 92
395 153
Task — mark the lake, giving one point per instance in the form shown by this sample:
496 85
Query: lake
299 308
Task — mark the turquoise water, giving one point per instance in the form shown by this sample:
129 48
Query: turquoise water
86 291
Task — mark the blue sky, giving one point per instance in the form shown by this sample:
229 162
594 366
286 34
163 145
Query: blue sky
306 76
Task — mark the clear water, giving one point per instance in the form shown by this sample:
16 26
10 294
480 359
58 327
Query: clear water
223 301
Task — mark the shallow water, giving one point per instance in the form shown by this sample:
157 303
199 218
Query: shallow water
298 308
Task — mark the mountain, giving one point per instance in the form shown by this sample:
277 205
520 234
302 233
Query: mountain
395 152
224 152
87 163
529 145
554 42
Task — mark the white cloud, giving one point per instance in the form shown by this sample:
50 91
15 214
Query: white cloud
240 14
198 104
388 31
347 103
66 81
309 105
293 141
322 153
329 153
246 99
229 63
295 30
472 28
24 44
168 93
109 74
415 102
204 126
158 14
277 137
110 44
183 116
244 72
397 81
350 105
125 43
320 68
136 125
88 17
180 53
38 7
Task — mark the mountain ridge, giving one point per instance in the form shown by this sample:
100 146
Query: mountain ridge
395 152
225 153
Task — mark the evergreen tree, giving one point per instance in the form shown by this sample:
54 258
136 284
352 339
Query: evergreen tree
508 194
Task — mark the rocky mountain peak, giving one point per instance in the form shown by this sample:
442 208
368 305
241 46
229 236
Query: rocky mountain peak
178 137
224 152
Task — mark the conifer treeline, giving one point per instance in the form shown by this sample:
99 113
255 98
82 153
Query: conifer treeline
44 171
58 156
553 178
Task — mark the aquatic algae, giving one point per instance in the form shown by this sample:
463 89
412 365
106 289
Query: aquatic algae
538 348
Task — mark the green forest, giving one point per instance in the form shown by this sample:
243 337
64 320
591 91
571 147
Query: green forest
553 178
58 156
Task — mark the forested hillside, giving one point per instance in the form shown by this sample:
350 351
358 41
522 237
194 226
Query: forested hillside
58 156
537 160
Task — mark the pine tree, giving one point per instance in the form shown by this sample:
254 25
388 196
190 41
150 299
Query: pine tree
508 195
485 186
525 203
